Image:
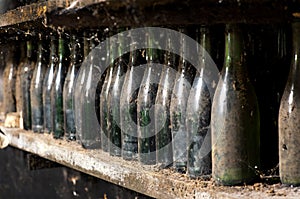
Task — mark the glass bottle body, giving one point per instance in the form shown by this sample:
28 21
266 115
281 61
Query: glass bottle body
164 153
146 106
25 80
198 113
9 81
90 130
57 89
36 89
48 80
180 93
69 87
114 128
289 113
128 105
235 118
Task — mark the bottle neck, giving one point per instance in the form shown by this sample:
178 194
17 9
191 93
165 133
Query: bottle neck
30 51
77 52
53 49
234 46
296 40
203 38
61 48
152 53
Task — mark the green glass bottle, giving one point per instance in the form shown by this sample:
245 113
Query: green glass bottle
113 101
25 80
181 89
128 101
198 113
145 104
289 113
36 89
104 98
235 117
80 80
90 130
9 79
69 87
57 88
164 153
48 80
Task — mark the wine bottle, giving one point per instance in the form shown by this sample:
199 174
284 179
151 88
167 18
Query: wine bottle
164 153
80 80
69 87
128 100
235 117
36 89
104 98
90 135
113 101
57 87
181 89
198 113
25 80
47 84
9 79
289 112
18 75
145 104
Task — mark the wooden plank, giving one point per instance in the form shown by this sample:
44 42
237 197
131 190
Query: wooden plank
148 180
97 13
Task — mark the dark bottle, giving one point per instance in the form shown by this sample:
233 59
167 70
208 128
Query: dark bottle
180 94
9 79
26 73
146 104
90 132
164 153
57 88
69 87
80 80
128 101
18 75
113 101
36 89
235 117
198 113
289 113
48 80
104 98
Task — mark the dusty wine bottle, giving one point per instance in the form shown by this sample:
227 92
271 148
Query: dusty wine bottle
104 97
164 153
128 101
198 113
22 59
9 79
289 113
90 132
80 80
57 88
235 117
145 104
36 89
25 80
181 89
113 101
69 87
49 76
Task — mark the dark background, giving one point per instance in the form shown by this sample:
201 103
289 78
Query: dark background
20 180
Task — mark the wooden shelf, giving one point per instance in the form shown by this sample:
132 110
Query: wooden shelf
148 180
96 13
